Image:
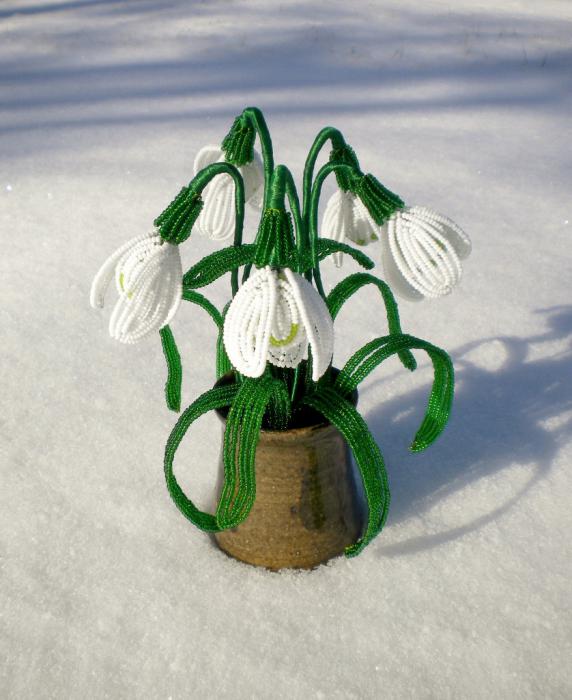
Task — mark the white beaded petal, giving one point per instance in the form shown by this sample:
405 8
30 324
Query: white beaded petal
317 322
288 341
421 253
217 218
148 276
105 274
346 218
248 323
273 318
364 229
337 220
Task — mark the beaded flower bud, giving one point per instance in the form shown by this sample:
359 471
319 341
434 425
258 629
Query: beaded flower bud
421 252
148 277
217 218
273 318
346 218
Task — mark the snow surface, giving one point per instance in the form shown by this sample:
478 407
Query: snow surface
107 592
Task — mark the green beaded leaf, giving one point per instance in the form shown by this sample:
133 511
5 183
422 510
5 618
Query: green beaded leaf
223 364
326 247
350 285
174 369
203 302
210 400
371 355
217 264
240 440
177 220
171 352
341 413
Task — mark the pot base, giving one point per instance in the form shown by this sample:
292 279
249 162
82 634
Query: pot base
307 508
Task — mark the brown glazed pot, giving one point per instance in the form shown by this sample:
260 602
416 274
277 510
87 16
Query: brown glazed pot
308 507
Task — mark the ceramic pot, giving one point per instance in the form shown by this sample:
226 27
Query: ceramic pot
308 505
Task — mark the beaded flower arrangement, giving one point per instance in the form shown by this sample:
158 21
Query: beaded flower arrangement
276 334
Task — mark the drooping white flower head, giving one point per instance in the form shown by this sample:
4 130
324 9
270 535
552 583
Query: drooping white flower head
217 218
421 252
148 276
273 318
346 218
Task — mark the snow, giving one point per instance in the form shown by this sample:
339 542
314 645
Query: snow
107 592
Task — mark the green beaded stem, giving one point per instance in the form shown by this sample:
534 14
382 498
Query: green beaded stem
275 236
204 176
238 145
312 218
282 186
328 133
302 242
344 155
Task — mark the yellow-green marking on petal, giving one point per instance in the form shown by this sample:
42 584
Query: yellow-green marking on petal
288 339
121 281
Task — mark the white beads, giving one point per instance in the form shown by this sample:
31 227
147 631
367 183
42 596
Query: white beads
273 318
217 218
346 218
421 252
148 278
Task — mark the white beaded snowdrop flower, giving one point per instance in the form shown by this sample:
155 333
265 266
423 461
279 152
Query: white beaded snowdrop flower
217 218
273 318
346 218
148 276
421 252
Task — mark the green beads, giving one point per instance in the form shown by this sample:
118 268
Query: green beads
275 239
238 144
380 202
177 220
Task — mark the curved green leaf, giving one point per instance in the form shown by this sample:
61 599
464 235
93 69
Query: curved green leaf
350 285
223 364
171 351
240 440
210 400
341 413
203 302
326 246
174 369
371 355
217 264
